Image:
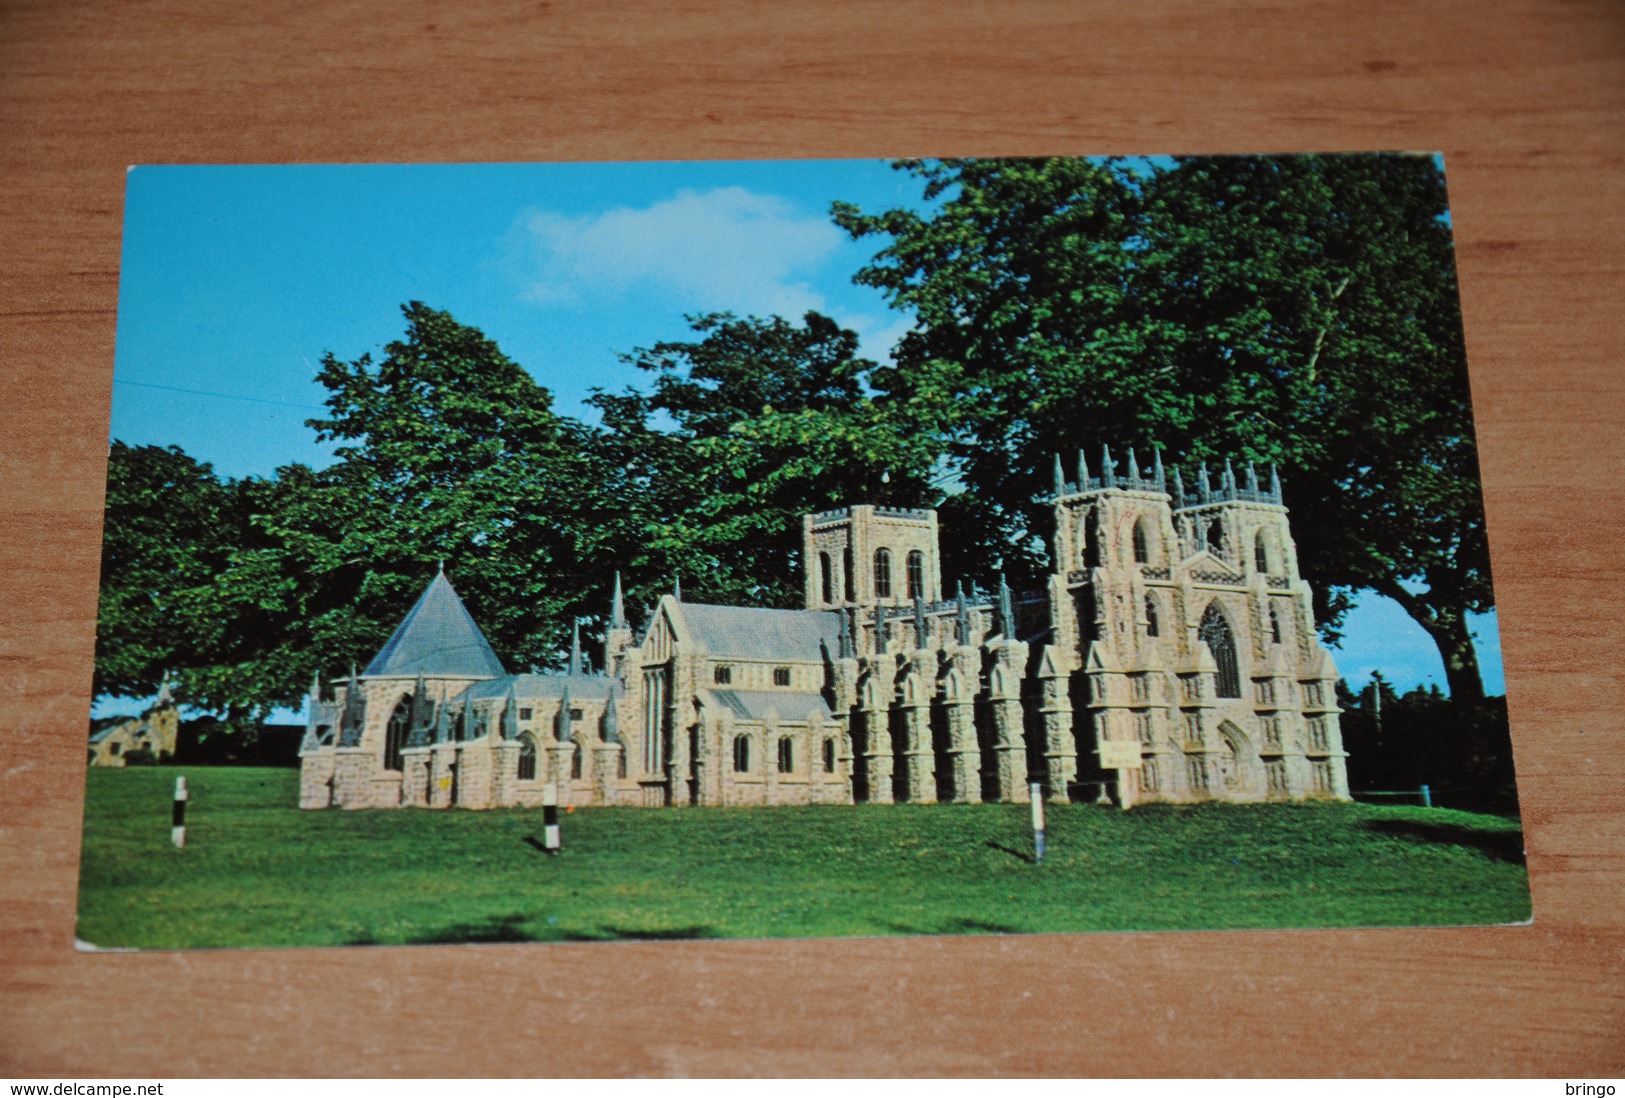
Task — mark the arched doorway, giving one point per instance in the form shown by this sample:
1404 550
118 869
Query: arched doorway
1240 771
395 734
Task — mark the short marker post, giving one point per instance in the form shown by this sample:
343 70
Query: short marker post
1037 794
550 819
1427 797
177 830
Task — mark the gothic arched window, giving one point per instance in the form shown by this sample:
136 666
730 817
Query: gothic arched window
575 761
1153 627
1275 626
1091 540
1216 633
1215 538
527 758
850 578
395 734
787 755
1142 552
826 576
741 754
1261 557
829 756
883 573
916 575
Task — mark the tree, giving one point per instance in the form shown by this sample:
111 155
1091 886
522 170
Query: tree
1296 310
168 530
770 420
448 452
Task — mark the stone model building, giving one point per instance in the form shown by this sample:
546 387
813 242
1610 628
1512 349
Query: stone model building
155 732
1173 657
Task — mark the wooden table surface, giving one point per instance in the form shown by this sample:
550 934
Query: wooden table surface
1524 98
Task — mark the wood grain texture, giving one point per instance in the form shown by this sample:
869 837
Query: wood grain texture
1526 100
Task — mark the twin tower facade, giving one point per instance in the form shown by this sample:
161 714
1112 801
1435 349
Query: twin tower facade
1172 657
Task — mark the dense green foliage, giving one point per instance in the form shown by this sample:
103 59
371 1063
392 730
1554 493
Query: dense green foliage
769 421
1299 310
258 872
1398 742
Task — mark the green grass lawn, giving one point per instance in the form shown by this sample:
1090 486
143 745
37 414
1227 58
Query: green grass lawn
258 872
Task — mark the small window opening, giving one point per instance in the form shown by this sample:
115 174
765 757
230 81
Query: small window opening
916 575
883 573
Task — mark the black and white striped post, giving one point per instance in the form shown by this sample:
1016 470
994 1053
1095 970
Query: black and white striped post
550 819
1036 792
177 830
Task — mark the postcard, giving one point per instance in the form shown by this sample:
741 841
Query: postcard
582 552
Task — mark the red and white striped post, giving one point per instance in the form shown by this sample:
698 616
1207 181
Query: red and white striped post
1037 796
177 830
550 819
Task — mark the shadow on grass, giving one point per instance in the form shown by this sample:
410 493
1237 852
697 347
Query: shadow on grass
661 934
949 926
511 928
1500 846
1012 851
503 928
978 926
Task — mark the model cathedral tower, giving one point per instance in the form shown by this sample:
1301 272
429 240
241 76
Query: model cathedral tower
1172 657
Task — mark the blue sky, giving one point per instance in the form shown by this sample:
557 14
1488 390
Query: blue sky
237 279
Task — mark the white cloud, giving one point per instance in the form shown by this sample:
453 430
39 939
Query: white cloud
877 334
728 248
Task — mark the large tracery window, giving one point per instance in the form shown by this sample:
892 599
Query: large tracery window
883 573
916 575
787 757
1216 633
741 755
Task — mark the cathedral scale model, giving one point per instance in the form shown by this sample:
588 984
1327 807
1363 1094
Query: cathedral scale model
1172 658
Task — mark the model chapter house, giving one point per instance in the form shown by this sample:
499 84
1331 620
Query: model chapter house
1172 658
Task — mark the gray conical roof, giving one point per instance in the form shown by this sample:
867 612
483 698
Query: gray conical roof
437 638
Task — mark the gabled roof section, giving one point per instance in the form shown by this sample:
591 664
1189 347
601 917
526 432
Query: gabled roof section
532 687
740 632
438 637
755 705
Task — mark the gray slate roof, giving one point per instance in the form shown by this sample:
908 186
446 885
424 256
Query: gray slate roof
740 632
438 637
526 687
753 705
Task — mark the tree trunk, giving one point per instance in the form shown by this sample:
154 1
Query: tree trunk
1448 628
